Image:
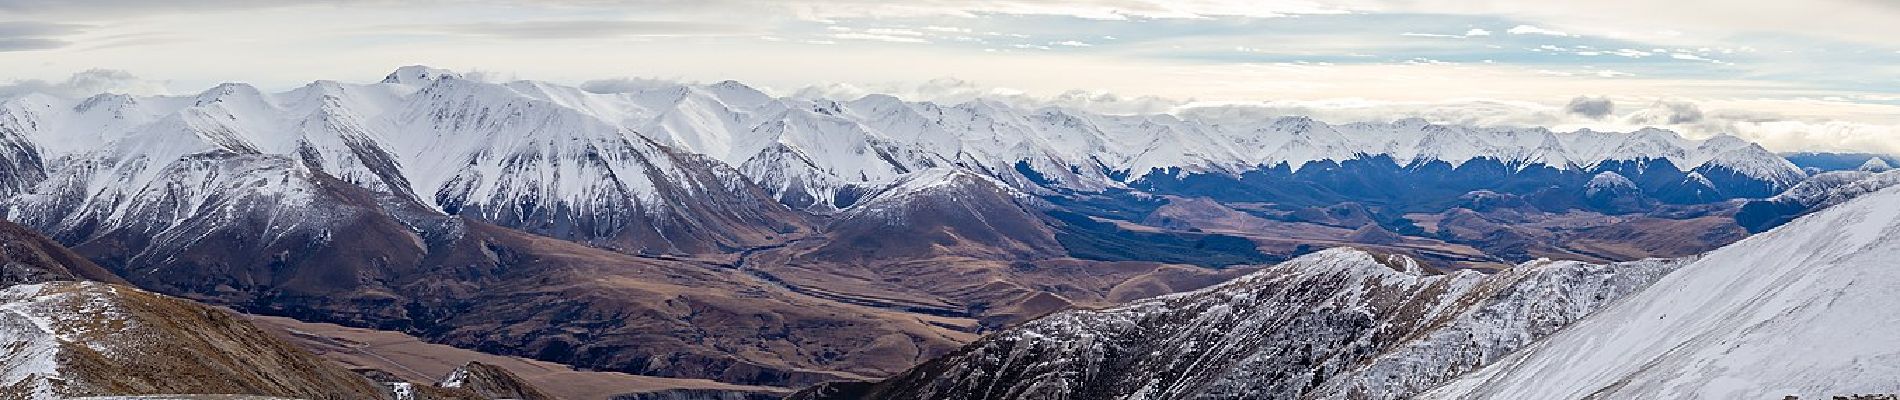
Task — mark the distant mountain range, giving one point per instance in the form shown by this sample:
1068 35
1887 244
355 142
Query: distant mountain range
695 169
1822 162
658 168
712 231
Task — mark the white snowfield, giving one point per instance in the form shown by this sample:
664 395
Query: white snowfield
454 142
1807 309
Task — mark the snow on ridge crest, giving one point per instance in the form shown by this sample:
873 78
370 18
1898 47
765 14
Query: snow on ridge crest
833 145
418 74
1781 313
945 183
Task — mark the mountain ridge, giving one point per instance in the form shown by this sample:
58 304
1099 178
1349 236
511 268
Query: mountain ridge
804 152
1777 314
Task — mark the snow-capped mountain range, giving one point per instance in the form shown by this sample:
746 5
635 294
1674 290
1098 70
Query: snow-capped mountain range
457 143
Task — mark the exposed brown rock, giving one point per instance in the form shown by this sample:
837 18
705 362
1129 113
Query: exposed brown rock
1374 234
27 256
388 356
107 339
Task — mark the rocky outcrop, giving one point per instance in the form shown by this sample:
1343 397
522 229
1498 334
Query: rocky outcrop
492 382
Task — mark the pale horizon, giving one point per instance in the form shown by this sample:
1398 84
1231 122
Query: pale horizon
1750 70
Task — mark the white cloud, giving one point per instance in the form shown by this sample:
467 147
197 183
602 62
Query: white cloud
1772 131
1747 119
1532 30
893 32
1071 43
954 91
1687 56
1477 32
1100 9
877 37
83 84
1631 53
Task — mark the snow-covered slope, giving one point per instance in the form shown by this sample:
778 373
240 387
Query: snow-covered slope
940 212
594 165
807 150
495 152
1340 323
1799 310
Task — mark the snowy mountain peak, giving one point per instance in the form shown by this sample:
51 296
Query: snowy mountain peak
115 102
418 75
456 143
1875 164
931 182
738 94
230 92
1353 261
1608 180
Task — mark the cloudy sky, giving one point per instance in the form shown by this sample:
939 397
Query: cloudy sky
1794 75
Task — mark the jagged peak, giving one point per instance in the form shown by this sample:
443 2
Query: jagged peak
419 74
114 101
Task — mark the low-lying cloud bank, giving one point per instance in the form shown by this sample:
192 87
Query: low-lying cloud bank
1778 124
1758 120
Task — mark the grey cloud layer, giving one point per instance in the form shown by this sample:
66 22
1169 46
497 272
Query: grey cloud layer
1692 118
31 35
1593 107
582 29
83 84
